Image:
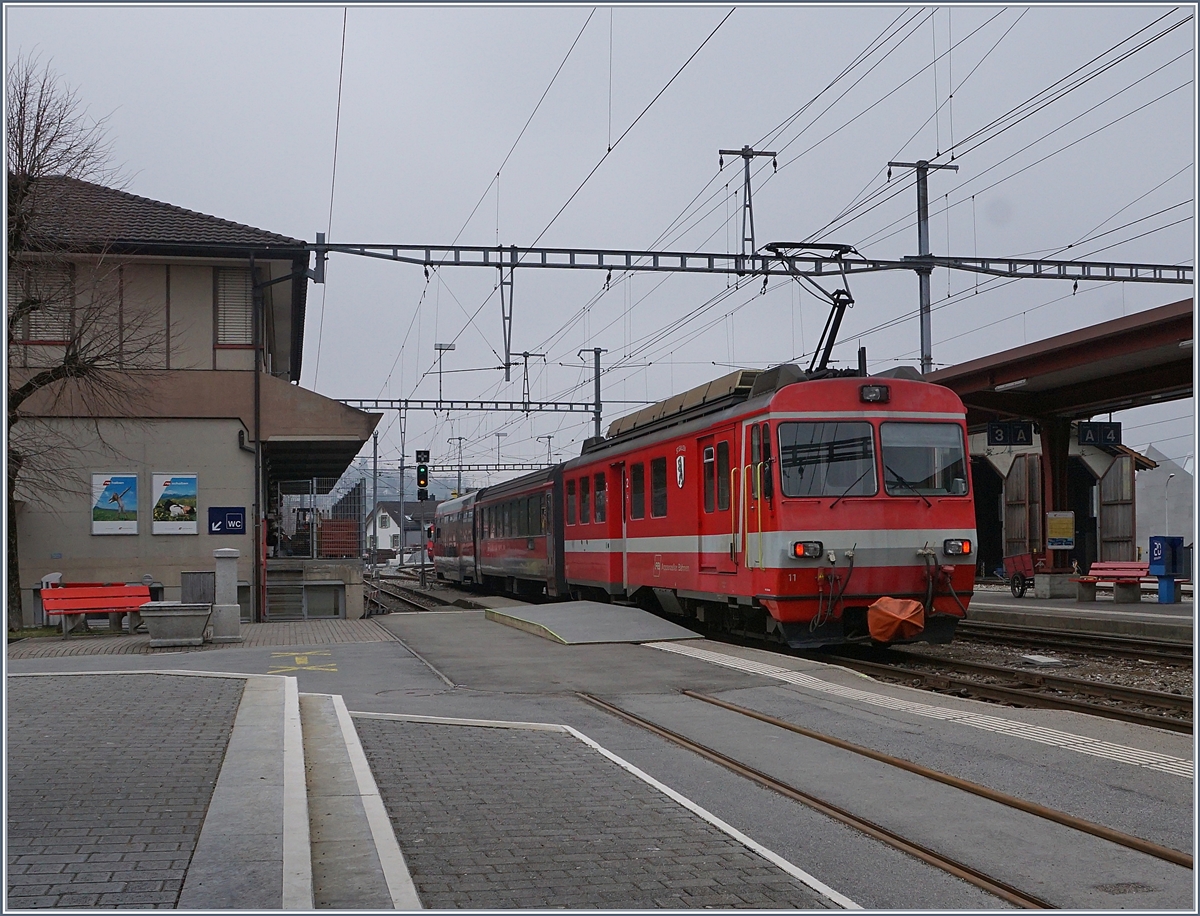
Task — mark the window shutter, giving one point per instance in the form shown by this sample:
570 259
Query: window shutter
52 285
235 306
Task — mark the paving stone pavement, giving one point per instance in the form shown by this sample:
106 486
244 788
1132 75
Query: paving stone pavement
500 818
109 779
254 636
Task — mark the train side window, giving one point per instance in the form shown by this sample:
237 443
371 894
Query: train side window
637 491
723 482
768 484
710 479
507 523
601 497
520 519
755 458
544 515
530 518
585 500
658 487
570 502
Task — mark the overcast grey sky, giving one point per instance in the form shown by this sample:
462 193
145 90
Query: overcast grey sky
233 111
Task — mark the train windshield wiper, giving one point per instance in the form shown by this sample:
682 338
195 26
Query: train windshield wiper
867 470
899 479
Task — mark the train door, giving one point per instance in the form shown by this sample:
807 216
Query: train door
716 506
758 490
623 500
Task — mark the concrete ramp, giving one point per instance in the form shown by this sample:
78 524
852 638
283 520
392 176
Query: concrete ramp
578 622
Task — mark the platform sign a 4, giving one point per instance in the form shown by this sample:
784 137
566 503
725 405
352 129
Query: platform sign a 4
1099 433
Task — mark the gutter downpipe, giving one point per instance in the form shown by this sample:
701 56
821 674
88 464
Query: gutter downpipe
259 579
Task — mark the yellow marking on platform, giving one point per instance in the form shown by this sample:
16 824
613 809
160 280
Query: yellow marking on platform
301 663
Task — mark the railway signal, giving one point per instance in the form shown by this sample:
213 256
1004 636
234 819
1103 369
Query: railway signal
422 475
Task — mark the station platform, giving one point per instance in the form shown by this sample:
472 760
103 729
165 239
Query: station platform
576 623
1103 617
446 760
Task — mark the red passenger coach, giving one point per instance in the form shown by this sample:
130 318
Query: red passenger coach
814 511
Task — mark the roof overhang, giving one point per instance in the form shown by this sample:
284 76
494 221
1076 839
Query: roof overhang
1127 362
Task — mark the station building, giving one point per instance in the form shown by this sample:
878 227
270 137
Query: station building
206 431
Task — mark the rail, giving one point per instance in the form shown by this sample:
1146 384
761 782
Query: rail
925 854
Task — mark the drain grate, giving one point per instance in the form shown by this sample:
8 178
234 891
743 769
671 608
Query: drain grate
1128 887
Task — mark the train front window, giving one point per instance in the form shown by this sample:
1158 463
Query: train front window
923 459
827 459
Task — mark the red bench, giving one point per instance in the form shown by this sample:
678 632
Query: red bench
1126 578
87 598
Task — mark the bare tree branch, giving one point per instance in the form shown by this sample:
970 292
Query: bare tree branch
74 349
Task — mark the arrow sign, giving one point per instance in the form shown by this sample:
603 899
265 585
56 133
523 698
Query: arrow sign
226 519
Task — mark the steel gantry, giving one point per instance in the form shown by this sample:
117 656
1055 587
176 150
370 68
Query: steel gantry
778 259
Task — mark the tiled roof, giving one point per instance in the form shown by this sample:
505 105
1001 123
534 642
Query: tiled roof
421 511
80 215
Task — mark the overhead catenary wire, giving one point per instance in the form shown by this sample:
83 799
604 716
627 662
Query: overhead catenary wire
337 128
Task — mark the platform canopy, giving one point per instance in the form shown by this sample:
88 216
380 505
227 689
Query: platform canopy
1115 365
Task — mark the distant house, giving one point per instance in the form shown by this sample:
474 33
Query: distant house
385 531
152 487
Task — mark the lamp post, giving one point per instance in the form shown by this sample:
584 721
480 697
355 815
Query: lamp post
498 436
459 440
441 348
1166 508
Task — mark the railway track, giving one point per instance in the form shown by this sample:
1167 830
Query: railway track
978 878
398 594
1026 688
1123 646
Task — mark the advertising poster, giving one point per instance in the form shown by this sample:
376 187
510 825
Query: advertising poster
1060 530
114 504
175 504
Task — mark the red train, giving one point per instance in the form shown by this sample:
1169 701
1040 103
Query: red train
814 511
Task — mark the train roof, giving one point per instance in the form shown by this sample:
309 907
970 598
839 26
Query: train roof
714 400
518 484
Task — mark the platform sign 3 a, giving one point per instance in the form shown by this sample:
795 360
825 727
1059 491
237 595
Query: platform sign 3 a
1012 432
226 519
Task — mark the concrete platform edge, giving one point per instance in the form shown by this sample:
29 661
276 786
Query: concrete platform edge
518 623
297 849
391 858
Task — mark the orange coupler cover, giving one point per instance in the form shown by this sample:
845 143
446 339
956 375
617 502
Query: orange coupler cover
890 619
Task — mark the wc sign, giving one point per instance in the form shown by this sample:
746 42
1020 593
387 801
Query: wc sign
226 519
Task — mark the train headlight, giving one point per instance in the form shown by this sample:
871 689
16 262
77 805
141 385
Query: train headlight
874 394
954 547
807 550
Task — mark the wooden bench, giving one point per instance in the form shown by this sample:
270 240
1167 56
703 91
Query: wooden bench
74 601
1126 578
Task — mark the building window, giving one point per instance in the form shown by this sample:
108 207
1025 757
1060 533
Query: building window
658 487
385 521
570 502
601 497
585 500
395 542
637 491
41 297
235 307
